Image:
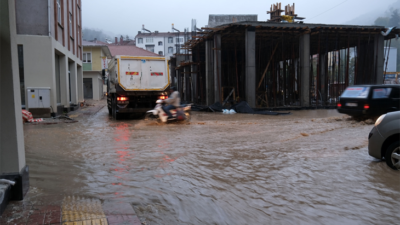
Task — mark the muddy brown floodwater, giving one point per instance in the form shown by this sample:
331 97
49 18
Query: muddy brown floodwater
310 167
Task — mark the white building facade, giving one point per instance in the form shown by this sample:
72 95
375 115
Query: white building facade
162 43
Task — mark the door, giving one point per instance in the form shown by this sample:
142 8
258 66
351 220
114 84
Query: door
87 88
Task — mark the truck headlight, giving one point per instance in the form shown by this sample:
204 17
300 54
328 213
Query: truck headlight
379 120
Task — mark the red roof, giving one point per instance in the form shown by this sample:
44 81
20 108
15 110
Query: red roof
129 50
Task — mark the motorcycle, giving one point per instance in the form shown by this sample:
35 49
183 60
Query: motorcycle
180 114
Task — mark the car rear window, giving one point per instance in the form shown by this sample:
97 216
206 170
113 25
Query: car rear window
355 92
381 92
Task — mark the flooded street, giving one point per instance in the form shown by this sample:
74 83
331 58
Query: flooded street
310 167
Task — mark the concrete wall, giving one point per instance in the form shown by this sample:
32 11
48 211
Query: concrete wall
217 20
250 47
39 66
39 63
32 17
304 44
96 58
12 149
79 78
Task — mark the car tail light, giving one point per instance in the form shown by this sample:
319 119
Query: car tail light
162 97
122 99
366 106
339 105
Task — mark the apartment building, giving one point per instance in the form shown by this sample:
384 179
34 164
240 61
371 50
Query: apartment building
49 39
95 60
162 43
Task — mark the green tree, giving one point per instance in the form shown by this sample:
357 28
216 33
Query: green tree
394 20
382 21
90 34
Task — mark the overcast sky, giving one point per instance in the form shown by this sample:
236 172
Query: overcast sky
127 16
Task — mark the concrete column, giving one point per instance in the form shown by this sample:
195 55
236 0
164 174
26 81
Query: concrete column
79 81
305 70
217 68
194 83
186 71
12 149
250 48
209 72
323 77
64 81
172 73
179 82
379 57
176 81
74 82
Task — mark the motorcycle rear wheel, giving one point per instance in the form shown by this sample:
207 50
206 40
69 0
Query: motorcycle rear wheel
188 116
150 117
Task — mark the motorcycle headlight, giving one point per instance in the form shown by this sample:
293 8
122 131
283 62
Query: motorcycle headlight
379 120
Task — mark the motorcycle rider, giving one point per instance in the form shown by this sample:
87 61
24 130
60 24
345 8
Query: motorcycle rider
172 102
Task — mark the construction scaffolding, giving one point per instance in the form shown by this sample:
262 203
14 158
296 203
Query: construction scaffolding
274 64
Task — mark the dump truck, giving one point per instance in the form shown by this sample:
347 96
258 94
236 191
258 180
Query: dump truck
134 84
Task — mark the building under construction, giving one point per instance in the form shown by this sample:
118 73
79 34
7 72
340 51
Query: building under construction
280 63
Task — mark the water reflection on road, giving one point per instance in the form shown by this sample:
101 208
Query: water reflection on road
221 169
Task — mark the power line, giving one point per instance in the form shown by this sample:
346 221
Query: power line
328 10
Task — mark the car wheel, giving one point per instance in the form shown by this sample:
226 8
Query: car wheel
392 155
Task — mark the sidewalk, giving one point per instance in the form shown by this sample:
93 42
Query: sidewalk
67 210
39 207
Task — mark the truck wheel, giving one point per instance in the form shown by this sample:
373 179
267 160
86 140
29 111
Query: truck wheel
392 155
109 111
114 113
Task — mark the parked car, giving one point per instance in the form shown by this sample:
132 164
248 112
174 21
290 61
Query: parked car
384 139
370 100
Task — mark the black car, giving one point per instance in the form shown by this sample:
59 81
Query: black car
370 100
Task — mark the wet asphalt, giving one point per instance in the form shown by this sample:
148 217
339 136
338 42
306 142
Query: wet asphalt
310 167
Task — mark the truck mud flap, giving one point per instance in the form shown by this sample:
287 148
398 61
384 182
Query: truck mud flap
130 110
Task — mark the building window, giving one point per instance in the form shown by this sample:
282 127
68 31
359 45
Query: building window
170 40
179 40
140 40
160 43
70 25
21 73
170 50
149 40
87 57
59 11
160 53
150 48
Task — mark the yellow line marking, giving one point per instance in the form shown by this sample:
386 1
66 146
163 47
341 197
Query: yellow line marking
82 211
138 57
